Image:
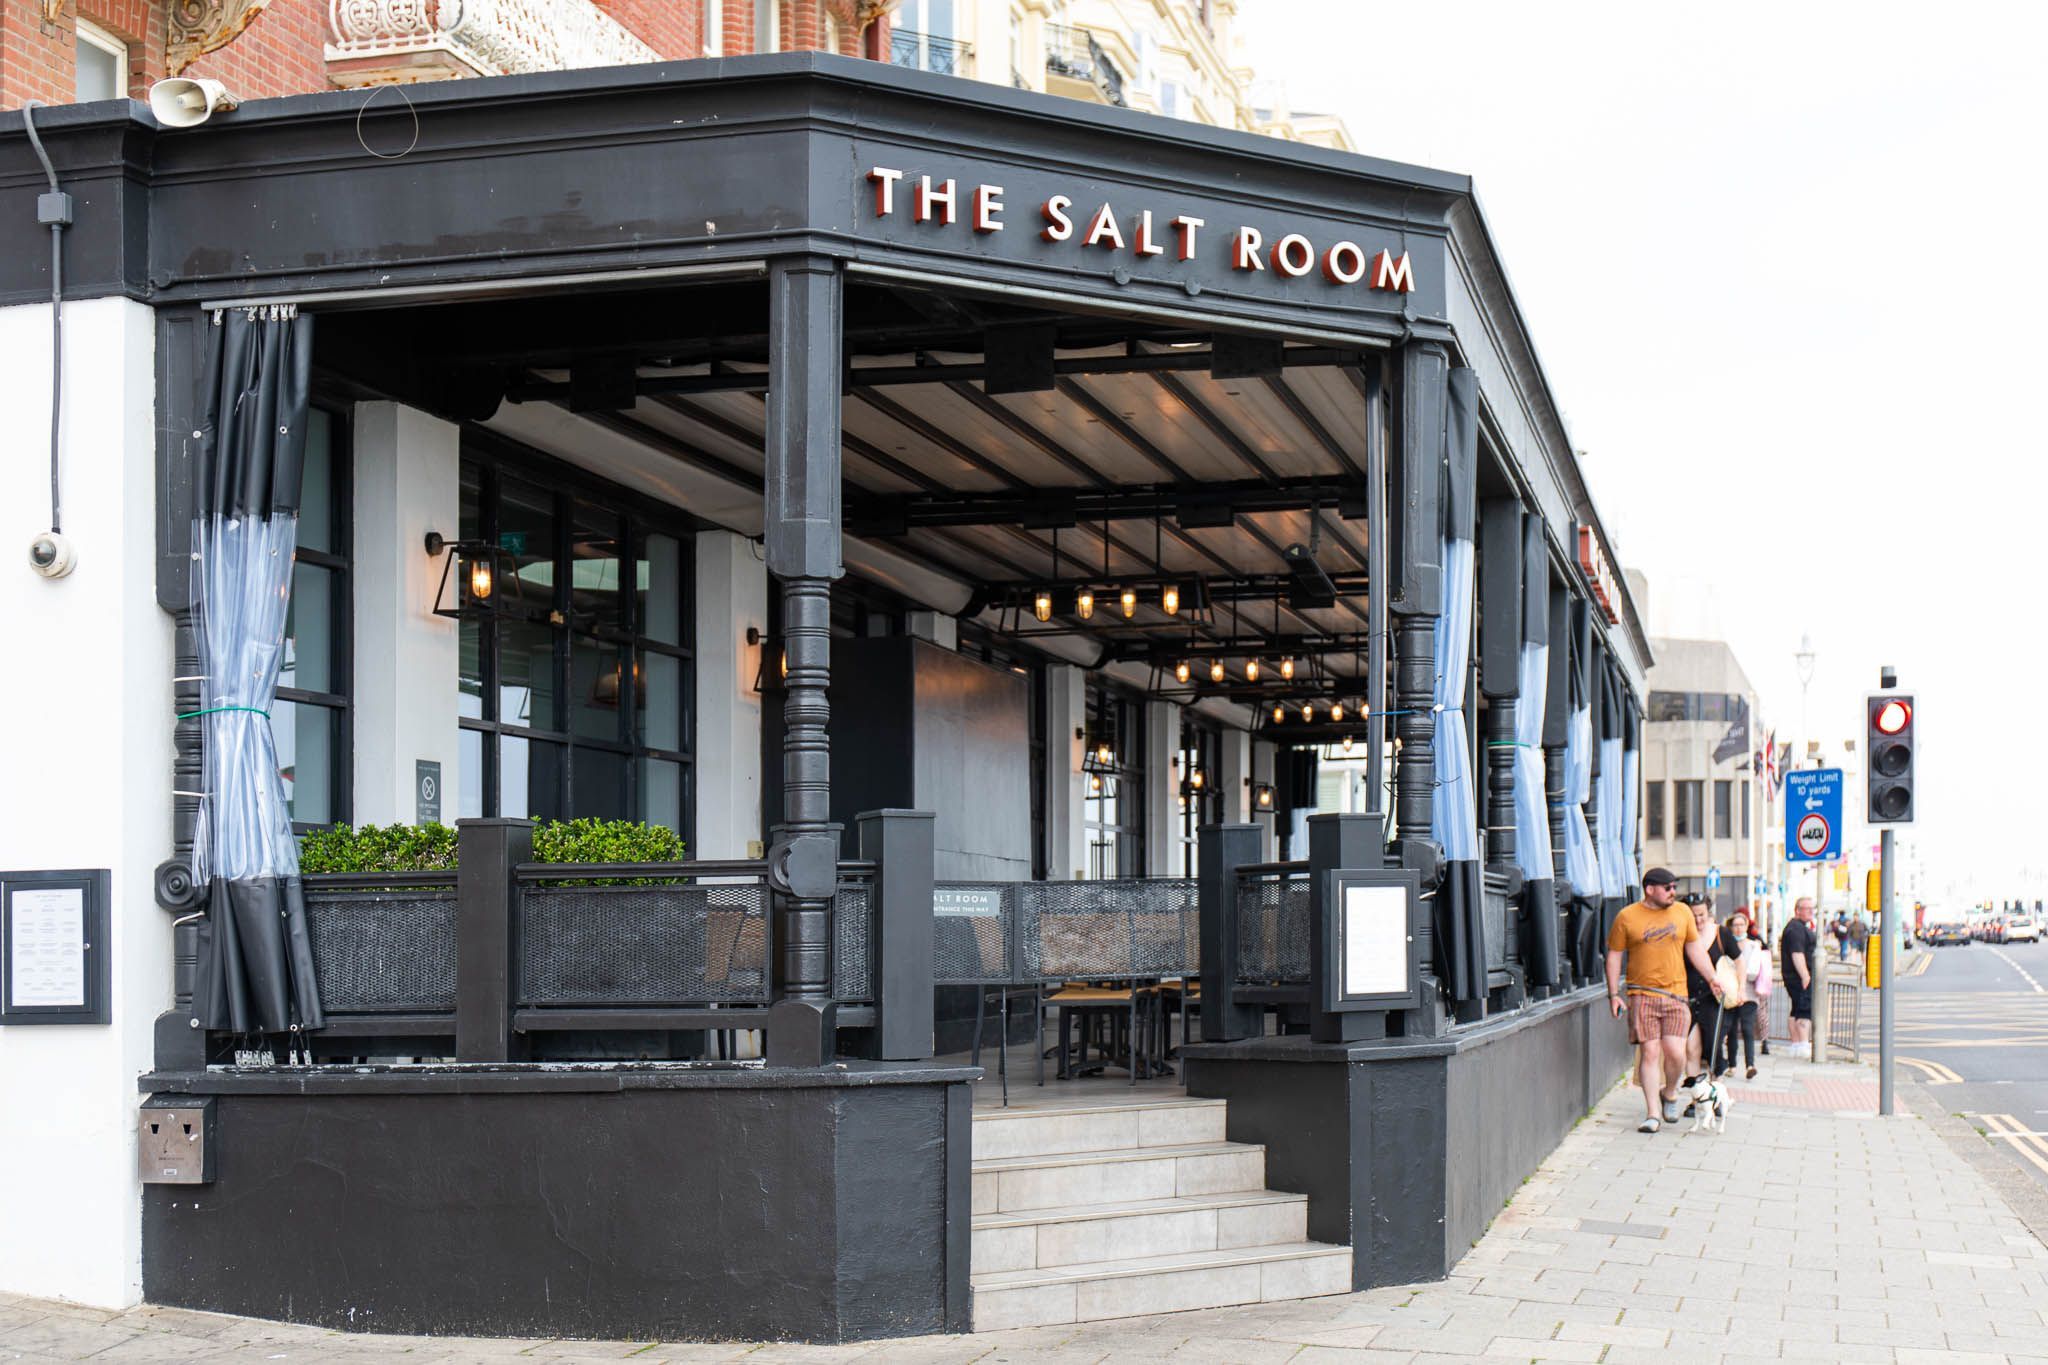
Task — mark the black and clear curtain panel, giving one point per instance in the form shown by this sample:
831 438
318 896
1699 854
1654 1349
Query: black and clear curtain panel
1454 811
255 953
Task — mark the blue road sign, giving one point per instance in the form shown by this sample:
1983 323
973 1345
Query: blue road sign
1813 815
1713 879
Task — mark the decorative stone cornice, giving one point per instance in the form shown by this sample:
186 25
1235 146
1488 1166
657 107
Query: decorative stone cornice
202 26
380 42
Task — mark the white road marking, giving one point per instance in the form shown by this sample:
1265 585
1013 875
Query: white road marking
2026 975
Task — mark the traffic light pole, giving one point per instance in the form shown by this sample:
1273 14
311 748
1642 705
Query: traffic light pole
1887 950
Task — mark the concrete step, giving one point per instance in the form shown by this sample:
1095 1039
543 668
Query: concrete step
1008 1184
1158 1284
1035 1238
1048 1131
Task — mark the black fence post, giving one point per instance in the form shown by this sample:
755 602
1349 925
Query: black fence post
900 845
1338 841
486 939
1220 850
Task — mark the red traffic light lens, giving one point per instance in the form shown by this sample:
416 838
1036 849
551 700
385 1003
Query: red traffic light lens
1893 717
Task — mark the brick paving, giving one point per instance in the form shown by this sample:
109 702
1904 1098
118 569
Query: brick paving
1808 1232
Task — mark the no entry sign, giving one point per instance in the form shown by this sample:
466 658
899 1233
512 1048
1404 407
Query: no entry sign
1813 815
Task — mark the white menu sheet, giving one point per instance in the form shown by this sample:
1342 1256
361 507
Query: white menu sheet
46 938
1375 940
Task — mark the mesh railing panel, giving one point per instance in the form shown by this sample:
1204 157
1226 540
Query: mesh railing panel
1272 930
974 934
700 943
852 929
1845 1018
383 951
1116 928
1493 918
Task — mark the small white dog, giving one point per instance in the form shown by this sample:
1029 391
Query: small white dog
1711 1102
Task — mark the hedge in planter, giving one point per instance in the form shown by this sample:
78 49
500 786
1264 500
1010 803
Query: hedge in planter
433 848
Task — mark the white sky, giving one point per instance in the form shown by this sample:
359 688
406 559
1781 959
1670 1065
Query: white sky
1787 268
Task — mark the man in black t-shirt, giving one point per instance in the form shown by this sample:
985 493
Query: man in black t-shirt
1796 959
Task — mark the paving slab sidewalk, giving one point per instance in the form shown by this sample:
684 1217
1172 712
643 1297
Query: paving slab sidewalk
1811 1230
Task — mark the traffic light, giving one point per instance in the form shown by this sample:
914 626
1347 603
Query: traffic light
1889 746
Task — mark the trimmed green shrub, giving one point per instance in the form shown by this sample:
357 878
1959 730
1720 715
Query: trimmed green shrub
432 848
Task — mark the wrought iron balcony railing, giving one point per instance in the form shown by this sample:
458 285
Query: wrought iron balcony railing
380 42
1074 53
928 52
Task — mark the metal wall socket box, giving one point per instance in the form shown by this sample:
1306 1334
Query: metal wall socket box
174 1141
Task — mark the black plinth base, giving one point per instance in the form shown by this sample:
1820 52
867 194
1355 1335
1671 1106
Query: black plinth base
1407 1148
651 1202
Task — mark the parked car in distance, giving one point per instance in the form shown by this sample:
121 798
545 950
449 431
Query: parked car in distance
1944 934
2022 929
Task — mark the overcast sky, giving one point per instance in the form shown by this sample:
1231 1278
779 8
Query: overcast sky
1787 268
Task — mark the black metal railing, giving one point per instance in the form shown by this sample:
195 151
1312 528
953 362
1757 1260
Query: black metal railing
1273 925
1074 53
641 935
928 52
383 943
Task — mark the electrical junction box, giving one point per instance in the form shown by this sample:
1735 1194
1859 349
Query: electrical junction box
174 1141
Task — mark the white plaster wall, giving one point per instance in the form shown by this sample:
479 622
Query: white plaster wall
86 750
408 470
732 594
1066 802
1162 789
1236 777
1262 771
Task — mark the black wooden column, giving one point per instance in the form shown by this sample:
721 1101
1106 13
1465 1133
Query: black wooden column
1416 599
805 307
1500 671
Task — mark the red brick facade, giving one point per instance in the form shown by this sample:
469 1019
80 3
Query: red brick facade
282 51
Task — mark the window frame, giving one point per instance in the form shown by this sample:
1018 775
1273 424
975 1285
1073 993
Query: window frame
1724 808
92 35
571 490
1653 809
714 28
340 563
1200 750
1126 769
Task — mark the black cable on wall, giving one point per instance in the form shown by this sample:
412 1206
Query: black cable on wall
53 208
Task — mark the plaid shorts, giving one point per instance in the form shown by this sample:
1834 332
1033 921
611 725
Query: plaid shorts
1651 1017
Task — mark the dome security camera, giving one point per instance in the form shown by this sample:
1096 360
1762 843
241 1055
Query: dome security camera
51 555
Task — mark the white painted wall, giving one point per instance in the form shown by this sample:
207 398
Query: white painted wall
732 594
1236 777
1262 771
408 469
86 693
1162 789
1066 808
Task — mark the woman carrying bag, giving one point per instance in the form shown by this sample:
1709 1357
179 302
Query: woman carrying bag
1739 964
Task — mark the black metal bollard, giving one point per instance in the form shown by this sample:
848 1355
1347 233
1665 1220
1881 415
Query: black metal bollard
486 937
900 845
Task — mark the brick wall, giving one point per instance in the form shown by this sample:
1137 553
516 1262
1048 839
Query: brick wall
282 51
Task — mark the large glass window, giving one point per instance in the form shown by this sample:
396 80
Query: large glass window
1114 783
1653 809
1199 770
310 718
1724 809
1687 816
575 683
102 64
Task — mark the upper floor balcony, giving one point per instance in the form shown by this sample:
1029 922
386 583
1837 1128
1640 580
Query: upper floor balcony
1076 65
929 52
382 42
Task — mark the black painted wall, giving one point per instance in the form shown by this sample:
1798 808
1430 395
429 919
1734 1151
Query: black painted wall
763 1210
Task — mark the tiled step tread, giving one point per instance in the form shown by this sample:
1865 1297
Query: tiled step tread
1058 1111
992 1165
1185 1203
1153 1265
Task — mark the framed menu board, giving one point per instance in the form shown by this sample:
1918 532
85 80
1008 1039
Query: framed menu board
1372 924
54 961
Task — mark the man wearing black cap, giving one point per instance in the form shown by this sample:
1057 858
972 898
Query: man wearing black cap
1657 937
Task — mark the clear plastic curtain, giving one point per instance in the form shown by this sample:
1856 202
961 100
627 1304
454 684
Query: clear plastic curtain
1532 822
1581 868
1613 863
1631 795
1453 818
255 971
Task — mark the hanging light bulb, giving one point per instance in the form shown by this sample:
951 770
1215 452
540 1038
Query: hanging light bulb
1287 668
1308 710
1180 671
1103 754
1251 670
1347 744
1169 600
1084 604
1279 713
1195 779
480 579
1128 600
1216 670
1336 710
1041 605
1095 784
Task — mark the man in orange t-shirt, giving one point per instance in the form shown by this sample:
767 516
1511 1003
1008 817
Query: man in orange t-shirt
1656 935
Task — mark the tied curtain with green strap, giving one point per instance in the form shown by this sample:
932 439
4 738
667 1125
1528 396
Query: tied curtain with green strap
255 970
